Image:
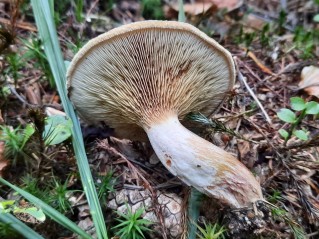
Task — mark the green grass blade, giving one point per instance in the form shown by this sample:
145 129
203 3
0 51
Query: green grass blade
49 211
19 226
194 202
195 196
47 32
181 12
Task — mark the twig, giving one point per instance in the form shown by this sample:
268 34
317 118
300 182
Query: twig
87 14
242 79
22 25
24 101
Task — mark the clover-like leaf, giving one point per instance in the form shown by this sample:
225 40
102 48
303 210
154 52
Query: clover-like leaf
287 115
6 204
283 133
297 103
32 211
57 129
300 134
312 108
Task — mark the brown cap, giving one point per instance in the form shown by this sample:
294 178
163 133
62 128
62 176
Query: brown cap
135 73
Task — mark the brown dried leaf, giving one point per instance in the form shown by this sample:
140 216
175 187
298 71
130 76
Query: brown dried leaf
51 111
125 147
310 80
33 94
254 22
23 25
247 153
199 7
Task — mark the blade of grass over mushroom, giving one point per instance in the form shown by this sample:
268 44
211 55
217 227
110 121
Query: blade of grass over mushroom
47 31
194 202
194 196
49 211
181 12
19 226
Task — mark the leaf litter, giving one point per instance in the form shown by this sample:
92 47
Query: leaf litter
273 65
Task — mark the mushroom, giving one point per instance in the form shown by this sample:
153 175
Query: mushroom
149 75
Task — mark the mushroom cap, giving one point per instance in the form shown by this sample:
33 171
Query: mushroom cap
136 73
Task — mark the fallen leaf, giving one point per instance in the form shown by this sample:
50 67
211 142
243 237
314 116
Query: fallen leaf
23 25
310 80
254 21
126 147
198 7
33 94
51 111
247 152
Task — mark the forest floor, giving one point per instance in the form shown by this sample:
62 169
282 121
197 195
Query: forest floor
269 121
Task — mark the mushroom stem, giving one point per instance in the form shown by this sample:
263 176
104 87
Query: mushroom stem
200 164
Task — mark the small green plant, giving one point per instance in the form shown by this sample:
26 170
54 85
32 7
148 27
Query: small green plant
278 213
78 10
53 193
245 38
4 91
282 18
12 206
48 210
15 141
210 231
275 197
60 196
76 45
265 36
35 53
152 9
30 184
132 226
282 215
215 124
14 65
305 41
58 9
105 185
300 109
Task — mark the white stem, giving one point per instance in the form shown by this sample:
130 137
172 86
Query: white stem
200 164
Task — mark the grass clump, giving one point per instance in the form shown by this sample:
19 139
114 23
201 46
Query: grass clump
211 231
15 141
34 52
14 65
152 9
132 226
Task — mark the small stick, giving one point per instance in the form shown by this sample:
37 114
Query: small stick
242 79
24 101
